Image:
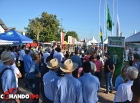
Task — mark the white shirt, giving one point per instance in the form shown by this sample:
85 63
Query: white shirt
124 92
16 71
21 55
93 66
45 56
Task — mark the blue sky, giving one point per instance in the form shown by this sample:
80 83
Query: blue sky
81 16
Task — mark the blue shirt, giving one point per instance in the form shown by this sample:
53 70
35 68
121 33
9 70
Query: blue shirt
50 83
27 62
59 56
76 59
8 78
90 87
33 70
69 90
119 80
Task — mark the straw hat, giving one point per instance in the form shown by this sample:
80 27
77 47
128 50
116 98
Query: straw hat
53 64
68 66
6 56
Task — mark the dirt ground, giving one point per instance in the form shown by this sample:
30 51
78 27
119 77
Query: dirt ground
103 98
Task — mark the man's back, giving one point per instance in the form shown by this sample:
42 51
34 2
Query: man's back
69 90
45 56
109 63
27 62
76 59
90 87
8 79
59 56
50 83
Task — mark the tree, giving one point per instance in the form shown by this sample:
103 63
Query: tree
45 28
71 33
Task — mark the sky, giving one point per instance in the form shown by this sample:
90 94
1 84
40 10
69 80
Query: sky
81 16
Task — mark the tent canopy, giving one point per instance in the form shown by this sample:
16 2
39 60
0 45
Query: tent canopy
133 38
5 42
93 40
106 41
15 36
89 43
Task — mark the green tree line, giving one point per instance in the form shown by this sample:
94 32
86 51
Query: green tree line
47 28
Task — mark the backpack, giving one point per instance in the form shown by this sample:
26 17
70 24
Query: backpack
1 90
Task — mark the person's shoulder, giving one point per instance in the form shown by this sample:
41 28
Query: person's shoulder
123 86
8 73
77 81
95 78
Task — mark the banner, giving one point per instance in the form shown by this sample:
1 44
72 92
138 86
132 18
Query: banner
62 38
69 39
116 42
116 49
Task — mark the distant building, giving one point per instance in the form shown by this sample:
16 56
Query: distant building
3 27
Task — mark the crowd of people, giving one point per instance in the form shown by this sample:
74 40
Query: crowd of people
66 77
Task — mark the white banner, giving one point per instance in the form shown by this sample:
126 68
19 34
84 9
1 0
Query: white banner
69 39
116 42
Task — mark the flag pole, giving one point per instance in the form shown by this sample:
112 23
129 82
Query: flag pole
105 20
112 17
99 21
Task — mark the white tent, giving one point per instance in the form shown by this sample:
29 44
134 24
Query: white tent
93 40
135 38
106 41
89 43
5 42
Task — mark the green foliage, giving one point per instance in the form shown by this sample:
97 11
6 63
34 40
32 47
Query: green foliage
71 33
45 28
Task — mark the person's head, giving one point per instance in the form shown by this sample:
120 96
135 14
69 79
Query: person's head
68 67
107 54
36 57
12 49
136 87
27 51
98 57
67 56
48 59
7 58
23 47
58 49
91 58
86 67
132 73
124 70
53 64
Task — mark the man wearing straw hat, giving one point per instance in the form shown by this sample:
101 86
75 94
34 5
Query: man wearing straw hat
69 89
8 79
50 80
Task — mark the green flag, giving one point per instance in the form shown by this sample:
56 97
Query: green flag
101 36
109 20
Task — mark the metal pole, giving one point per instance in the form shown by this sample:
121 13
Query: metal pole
112 17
